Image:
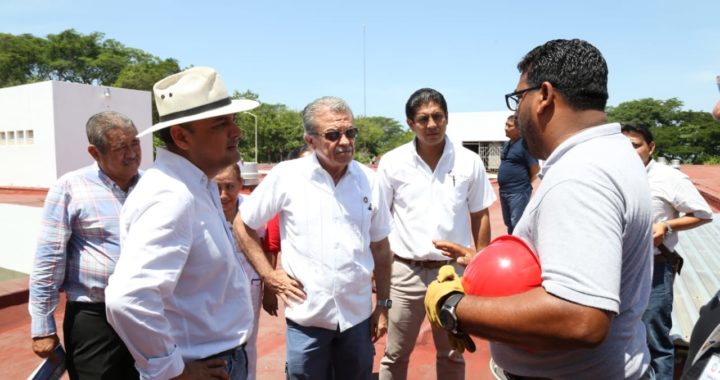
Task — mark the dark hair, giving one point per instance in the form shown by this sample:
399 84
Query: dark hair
640 128
421 97
575 68
297 152
166 138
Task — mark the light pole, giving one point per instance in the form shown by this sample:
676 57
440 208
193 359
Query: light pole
256 146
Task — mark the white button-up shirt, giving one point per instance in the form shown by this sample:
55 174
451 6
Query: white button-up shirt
429 205
178 291
325 231
672 193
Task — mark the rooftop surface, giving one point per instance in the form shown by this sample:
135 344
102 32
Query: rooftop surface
702 281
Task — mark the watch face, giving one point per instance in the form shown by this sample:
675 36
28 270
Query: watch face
446 319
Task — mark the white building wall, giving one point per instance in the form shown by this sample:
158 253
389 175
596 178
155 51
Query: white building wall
19 228
56 112
22 109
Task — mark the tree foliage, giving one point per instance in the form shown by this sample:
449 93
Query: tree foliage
691 136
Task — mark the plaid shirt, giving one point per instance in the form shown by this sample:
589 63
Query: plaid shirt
78 246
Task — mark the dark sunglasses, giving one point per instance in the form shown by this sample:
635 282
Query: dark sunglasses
333 136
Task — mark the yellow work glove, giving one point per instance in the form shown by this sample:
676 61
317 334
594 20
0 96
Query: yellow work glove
447 283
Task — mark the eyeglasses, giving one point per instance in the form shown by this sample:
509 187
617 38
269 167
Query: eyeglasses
513 99
333 136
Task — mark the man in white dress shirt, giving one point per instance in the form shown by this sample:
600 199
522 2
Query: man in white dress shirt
179 297
333 226
677 206
435 191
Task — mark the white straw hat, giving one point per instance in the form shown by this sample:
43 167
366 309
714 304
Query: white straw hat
194 94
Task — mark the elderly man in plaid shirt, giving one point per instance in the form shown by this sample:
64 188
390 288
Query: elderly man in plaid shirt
78 247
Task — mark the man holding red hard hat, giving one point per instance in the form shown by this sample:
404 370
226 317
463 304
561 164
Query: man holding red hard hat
589 224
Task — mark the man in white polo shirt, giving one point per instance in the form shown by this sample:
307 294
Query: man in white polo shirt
179 297
677 206
435 191
334 225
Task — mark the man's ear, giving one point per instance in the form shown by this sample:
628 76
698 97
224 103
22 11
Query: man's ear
411 124
309 141
94 152
179 136
548 96
652 146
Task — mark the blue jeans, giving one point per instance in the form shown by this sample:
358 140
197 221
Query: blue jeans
513 205
237 363
315 353
658 321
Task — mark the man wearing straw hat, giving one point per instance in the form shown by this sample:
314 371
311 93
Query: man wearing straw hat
179 297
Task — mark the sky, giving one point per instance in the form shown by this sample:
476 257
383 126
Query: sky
374 54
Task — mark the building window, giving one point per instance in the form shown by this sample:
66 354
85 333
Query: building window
20 137
29 136
3 138
11 138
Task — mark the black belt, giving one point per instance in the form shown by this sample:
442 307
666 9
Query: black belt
510 376
92 306
427 264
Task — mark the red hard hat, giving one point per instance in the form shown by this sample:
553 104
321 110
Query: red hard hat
505 267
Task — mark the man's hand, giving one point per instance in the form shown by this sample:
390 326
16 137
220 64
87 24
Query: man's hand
447 283
461 254
269 301
43 347
658 232
378 323
204 369
285 287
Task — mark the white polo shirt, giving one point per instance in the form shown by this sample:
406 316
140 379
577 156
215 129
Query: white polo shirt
673 193
325 232
428 205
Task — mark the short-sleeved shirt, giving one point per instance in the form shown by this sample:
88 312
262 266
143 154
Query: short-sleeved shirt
326 231
673 193
590 225
515 161
427 204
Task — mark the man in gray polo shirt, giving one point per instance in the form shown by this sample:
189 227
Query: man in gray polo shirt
589 223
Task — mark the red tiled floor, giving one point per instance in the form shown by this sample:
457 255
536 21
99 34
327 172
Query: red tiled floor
18 359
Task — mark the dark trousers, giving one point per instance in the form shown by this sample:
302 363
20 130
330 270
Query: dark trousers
658 320
94 350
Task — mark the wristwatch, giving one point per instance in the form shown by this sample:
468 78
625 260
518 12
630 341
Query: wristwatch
448 319
387 304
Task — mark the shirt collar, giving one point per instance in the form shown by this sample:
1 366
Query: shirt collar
317 170
185 169
448 151
110 183
577 139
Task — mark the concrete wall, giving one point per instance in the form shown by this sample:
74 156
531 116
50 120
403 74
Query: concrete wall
56 113
19 227
22 109
477 126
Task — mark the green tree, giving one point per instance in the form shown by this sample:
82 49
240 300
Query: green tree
691 136
377 136
20 58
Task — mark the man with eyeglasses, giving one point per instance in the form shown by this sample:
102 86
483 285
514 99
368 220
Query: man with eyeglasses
589 222
515 175
435 192
334 226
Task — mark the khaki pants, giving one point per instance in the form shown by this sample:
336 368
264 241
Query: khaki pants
408 285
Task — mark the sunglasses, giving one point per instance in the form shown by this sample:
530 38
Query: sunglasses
333 136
